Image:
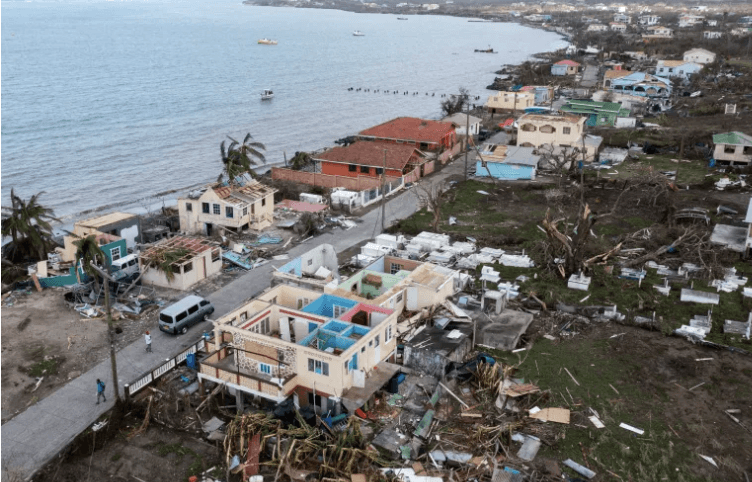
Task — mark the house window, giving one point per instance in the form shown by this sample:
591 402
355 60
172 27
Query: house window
229 211
347 367
188 267
566 130
264 368
388 334
670 70
424 146
115 253
352 168
377 340
364 169
319 367
339 311
215 255
302 302
310 262
217 209
727 149
363 350
399 298
245 211
394 268
263 202
379 170
205 208
547 129
317 399
189 207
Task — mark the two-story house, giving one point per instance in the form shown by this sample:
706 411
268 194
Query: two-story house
618 27
372 159
622 18
233 207
711 34
733 148
658 32
686 21
428 136
556 132
509 101
122 225
596 27
649 20
699 56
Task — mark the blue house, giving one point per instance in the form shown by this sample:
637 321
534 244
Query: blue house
507 162
115 245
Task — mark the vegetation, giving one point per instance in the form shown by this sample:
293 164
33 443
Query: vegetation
238 157
456 103
88 252
163 258
28 225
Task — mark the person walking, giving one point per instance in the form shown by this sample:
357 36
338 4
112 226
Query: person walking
100 391
147 338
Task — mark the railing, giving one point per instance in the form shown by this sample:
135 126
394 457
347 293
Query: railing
168 365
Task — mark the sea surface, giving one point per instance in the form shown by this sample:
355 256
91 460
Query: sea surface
123 104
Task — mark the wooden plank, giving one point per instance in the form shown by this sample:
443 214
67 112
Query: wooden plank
252 462
36 282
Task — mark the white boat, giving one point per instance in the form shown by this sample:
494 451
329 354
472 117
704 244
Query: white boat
268 94
267 41
358 33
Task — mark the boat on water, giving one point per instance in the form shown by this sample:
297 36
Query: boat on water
401 18
489 50
358 33
267 41
267 94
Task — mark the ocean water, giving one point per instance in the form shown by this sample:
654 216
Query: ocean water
123 104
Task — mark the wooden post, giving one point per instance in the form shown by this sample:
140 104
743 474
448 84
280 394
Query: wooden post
112 339
127 392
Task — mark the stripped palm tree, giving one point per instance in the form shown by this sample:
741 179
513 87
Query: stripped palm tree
28 224
238 157
88 252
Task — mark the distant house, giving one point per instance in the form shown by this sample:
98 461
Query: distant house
462 121
622 18
711 23
636 54
741 31
121 225
597 27
658 32
510 101
202 260
618 27
543 93
233 207
557 131
610 75
712 34
700 56
649 20
686 21
372 159
565 67
507 162
426 135
733 148
677 68
597 113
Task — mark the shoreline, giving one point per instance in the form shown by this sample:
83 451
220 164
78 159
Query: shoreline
149 203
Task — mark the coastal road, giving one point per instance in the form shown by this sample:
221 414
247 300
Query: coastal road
589 76
34 437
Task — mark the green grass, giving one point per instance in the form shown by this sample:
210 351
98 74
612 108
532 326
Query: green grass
116 457
197 464
692 172
44 367
597 365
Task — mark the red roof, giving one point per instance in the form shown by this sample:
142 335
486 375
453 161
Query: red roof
571 63
301 206
412 129
367 153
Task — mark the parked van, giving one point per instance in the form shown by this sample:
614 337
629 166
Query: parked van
180 316
125 267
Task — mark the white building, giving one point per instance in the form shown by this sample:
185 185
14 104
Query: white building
597 27
711 34
677 68
618 27
648 20
687 21
699 56
463 120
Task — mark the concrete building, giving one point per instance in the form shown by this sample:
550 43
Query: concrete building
658 32
618 27
687 21
510 101
201 259
711 34
543 93
642 84
649 20
597 113
324 350
554 132
507 162
426 135
122 225
677 68
622 18
565 67
232 207
610 75
699 56
733 148
461 122
597 27
741 31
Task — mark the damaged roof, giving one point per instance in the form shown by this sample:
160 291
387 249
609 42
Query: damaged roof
252 191
738 138
194 246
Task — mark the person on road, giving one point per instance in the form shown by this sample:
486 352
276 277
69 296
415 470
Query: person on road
100 390
147 338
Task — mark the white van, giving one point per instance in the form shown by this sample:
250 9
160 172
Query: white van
180 316
125 267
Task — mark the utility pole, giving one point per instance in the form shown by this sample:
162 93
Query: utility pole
106 278
383 194
467 140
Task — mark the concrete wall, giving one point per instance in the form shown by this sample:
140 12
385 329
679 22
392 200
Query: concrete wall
529 131
500 170
738 156
258 214
503 101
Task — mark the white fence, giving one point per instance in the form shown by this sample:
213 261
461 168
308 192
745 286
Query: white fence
168 365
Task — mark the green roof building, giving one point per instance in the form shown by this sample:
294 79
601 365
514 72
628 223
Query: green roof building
599 113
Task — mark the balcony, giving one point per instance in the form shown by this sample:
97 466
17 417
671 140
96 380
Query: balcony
219 366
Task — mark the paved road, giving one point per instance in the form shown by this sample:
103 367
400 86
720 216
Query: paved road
34 437
589 76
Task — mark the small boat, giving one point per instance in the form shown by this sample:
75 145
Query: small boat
401 18
489 50
267 41
358 33
268 94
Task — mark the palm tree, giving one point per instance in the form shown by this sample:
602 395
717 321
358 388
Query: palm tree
239 157
28 224
88 252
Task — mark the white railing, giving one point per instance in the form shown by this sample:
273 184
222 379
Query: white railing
167 366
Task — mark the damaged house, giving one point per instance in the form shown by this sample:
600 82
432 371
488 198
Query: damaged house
233 207
311 270
200 259
557 132
733 148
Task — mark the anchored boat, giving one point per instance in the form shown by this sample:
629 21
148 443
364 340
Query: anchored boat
267 94
267 41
